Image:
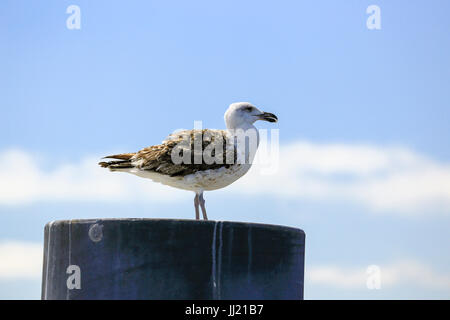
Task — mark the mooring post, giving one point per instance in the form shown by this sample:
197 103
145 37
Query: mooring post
171 259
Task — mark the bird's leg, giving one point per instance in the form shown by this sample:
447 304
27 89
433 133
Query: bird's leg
196 203
202 205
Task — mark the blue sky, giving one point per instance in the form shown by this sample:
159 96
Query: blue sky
372 104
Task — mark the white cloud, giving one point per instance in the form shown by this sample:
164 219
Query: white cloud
20 260
381 178
405 272
22 180
390 179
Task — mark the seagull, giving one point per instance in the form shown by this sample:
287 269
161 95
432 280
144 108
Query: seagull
199 159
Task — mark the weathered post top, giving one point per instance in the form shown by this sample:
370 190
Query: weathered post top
171 259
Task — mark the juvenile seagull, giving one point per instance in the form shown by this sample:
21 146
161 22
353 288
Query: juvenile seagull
199 160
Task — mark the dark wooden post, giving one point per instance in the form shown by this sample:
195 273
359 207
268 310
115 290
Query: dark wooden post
171 259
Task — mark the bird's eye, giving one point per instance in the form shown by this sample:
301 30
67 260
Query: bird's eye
248 109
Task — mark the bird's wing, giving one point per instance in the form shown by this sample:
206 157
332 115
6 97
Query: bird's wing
182 153
187 152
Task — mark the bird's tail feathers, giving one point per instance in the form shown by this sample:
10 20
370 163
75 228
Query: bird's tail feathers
122 156
115 165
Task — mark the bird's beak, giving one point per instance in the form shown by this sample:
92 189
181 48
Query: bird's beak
267 116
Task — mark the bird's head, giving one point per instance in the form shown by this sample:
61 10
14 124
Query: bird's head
244 114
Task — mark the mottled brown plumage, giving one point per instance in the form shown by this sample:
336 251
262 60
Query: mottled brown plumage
190 145
199 160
